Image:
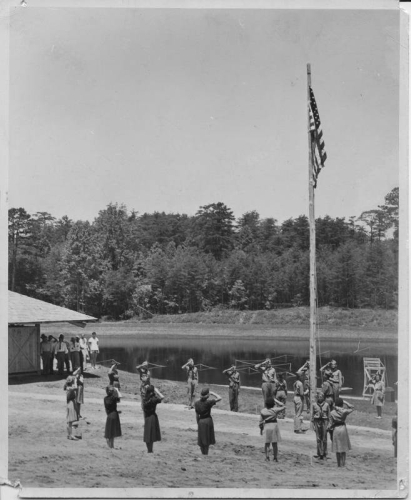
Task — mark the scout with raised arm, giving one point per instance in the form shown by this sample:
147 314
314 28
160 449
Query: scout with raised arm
192 381
233 386
269 378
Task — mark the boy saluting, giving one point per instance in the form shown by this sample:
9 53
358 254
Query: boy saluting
192 381
233 386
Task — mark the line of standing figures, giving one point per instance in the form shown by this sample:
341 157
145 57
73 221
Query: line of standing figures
328 414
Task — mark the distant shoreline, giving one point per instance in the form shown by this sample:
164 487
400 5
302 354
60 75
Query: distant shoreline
221 331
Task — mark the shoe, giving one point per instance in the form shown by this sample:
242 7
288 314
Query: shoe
298 432
267 459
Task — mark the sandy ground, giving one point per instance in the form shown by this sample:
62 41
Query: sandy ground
41 456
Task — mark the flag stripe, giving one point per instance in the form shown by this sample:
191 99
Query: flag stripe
318 146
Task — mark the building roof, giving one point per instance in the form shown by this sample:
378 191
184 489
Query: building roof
23 309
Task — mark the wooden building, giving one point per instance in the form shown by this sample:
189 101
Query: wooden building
25 318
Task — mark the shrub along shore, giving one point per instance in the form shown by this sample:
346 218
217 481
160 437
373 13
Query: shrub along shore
299 316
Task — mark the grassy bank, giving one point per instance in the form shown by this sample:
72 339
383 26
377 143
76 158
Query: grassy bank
334 317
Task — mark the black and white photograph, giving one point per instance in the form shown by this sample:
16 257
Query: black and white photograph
207 271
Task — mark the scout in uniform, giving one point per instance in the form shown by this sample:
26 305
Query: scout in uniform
269 378
192 381
233 386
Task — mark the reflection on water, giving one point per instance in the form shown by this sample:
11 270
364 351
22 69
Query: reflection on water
220 353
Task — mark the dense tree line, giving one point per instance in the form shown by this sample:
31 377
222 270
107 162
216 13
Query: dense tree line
123 263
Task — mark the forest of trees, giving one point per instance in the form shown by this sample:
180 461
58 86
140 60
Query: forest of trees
123 262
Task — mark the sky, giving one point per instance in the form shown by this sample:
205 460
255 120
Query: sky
172 109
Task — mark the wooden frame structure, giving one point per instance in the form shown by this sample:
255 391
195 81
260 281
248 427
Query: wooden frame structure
25 316
372 366
24 349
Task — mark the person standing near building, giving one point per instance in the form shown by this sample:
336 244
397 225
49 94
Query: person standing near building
192 381
46 352
60 350
67 357
94 349
233 386
319 418
75 353
83 351
299 394
53 342
269 378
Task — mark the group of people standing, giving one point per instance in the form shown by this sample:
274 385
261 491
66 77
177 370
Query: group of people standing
72 354
150 398
328 413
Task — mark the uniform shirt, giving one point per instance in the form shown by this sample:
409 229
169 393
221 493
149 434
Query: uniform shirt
268 415
71 394
93 343
46 346
144 376
192 373
150 405
321 411
203 408
75 346
269 374
233 379
281 386
298 388
379 387
113 376
83 344
110 403
336 377
338 416
60 346
328 389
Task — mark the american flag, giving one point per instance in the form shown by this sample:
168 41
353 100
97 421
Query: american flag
318 148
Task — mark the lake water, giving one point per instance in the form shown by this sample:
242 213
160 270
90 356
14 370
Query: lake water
219 353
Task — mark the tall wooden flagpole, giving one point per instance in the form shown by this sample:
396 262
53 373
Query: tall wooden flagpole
313 274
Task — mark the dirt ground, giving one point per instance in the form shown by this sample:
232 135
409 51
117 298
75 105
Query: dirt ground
40 455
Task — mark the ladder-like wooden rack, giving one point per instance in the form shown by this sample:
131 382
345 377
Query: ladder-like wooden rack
372 366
